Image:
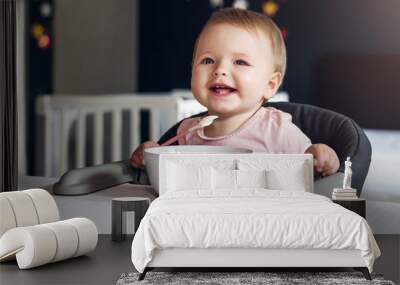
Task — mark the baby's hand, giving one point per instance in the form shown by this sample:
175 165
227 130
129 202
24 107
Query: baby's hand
137 158
326 161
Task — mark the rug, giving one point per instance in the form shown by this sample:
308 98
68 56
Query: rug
244 278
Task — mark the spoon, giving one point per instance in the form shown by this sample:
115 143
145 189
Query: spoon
206 121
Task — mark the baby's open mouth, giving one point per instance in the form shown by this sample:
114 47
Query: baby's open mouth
222 89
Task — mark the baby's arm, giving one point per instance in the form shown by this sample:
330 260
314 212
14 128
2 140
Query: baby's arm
294 140
326 160
138 154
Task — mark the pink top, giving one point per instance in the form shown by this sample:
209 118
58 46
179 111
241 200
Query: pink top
268 130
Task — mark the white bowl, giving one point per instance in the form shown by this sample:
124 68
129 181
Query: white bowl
151 156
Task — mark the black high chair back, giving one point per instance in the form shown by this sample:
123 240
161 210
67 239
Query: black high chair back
320 125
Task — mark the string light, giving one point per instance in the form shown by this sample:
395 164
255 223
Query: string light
37 30
217 3
44 42
270 8
285 32
240 4
45 9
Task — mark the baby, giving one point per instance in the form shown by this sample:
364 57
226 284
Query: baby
239 61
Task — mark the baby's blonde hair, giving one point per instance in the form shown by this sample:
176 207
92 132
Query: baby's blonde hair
252 22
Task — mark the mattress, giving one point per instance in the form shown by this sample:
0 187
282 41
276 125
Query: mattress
250 218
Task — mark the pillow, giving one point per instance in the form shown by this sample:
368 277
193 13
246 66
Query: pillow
223 179
187 176
236 179
294 179
281 173
252 178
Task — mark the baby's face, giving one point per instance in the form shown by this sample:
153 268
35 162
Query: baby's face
232 70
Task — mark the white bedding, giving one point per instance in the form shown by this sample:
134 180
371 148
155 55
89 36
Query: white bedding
253 218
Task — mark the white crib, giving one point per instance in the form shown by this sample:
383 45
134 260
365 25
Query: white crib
61 112
65 120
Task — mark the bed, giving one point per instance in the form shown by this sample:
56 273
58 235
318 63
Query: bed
247 210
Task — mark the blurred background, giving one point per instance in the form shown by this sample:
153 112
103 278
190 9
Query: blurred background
342 55
97 77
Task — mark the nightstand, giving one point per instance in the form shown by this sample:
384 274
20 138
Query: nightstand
358 206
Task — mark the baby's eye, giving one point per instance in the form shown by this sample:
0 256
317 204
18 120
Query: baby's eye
207 60
241 62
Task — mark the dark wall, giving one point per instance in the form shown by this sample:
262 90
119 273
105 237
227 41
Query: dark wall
365 88
324 28
167 32
316 29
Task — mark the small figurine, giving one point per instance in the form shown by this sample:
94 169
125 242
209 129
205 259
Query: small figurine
346 192
347 174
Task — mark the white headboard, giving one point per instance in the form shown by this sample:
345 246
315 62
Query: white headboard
178 172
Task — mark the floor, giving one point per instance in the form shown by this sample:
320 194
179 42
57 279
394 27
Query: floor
388 263
111 259
102 266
